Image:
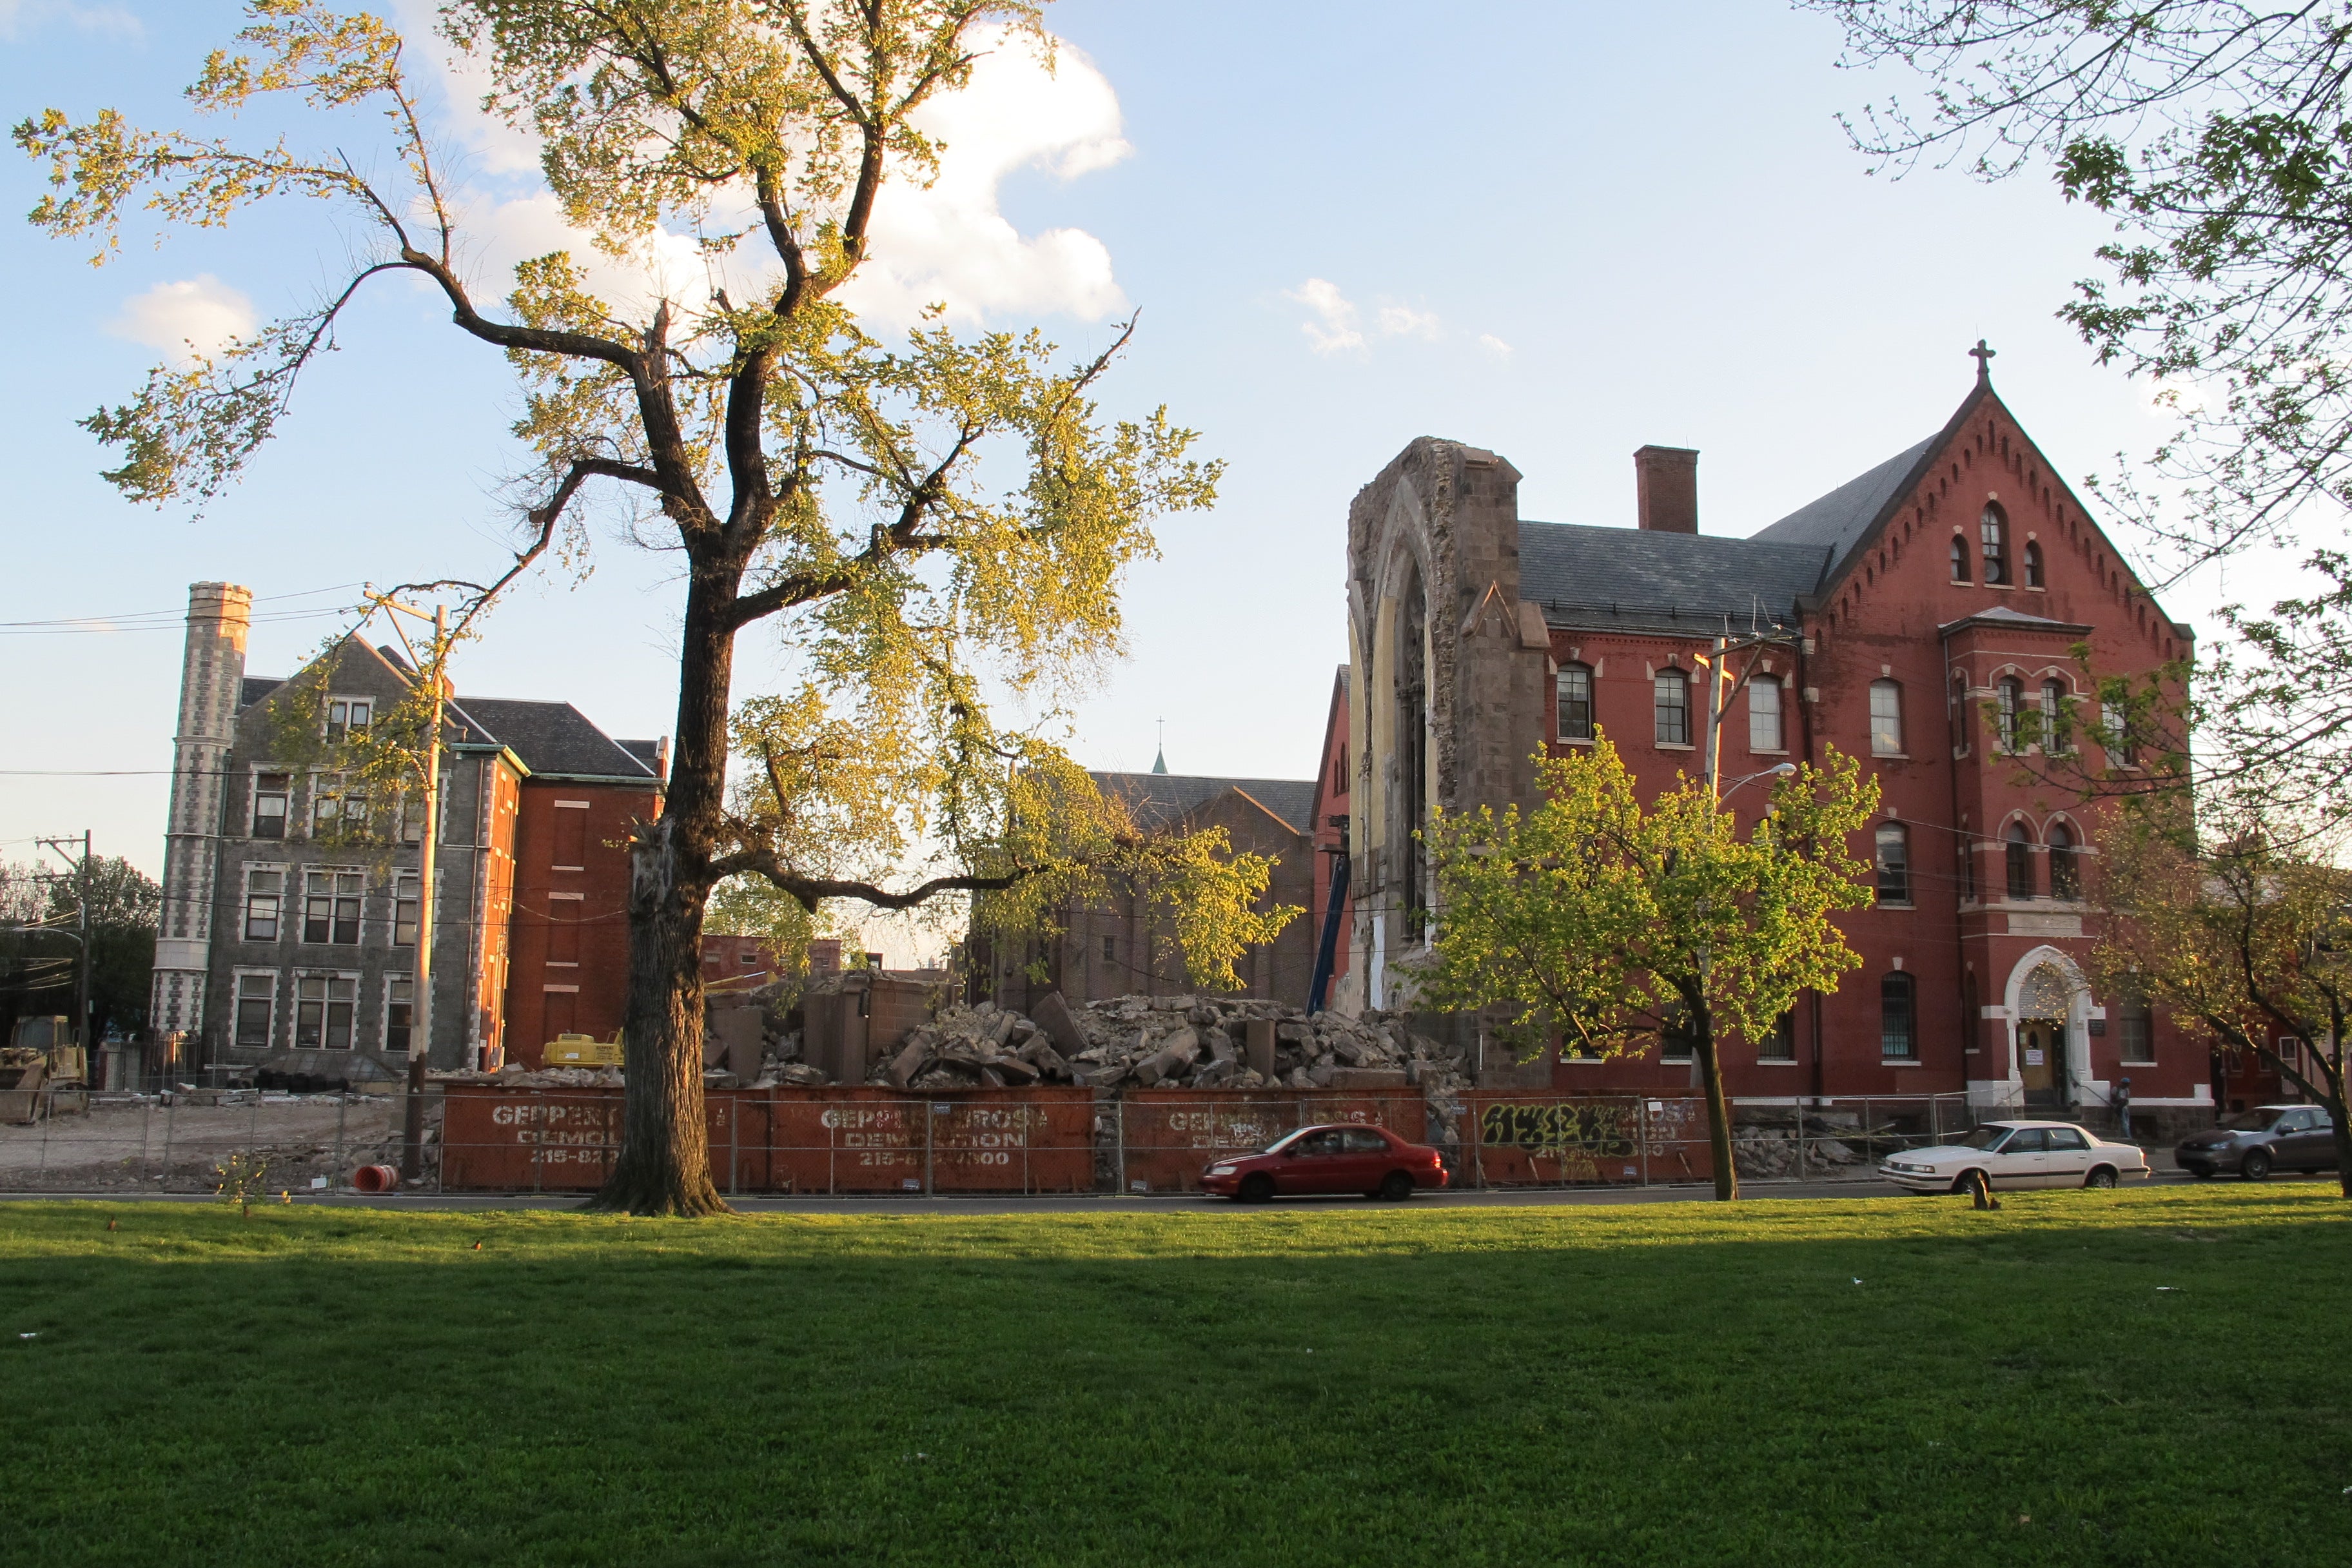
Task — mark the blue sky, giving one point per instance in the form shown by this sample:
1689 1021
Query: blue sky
1559 230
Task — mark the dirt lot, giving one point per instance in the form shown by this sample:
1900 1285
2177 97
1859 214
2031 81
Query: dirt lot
139 1143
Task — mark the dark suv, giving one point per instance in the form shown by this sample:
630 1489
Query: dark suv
2258 1141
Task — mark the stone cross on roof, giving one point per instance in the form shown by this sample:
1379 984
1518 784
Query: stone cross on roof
1983 357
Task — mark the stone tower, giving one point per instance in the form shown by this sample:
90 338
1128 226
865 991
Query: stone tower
211 675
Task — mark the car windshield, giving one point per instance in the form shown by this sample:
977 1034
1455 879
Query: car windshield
2252 1120
1286 1141
1984 1137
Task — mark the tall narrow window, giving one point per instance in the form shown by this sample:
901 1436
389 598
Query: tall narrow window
1412 741
1991 530
1898 1038
1339 771
1781 1044
399 1013
1575 687
1764 715
2033 565
1893 864
405 909
2135 1034
1885 719
1959 559
2057 715
1674 713
269 794
257 1002
1110 950
2008 697
2065 870
264 904
571 824
2020 853
2115 734
323 1009
1965 845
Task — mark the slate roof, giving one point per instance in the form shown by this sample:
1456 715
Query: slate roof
1158 799
254 688
554 738
1838 520
1633 579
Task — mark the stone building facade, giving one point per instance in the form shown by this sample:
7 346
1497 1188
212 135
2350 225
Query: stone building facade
1121 949
1958 577
287 949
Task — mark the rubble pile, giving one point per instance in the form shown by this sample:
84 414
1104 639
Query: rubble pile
974 1047
514 1075
1211 1042
1765 1142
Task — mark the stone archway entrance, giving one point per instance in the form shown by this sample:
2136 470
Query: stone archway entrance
2043 1006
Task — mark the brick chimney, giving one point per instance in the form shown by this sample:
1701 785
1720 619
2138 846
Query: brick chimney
1666 483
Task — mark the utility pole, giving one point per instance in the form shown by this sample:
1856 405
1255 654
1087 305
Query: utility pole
81 930
420 1005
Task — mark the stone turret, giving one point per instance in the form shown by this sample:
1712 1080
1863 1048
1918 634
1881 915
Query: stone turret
211 675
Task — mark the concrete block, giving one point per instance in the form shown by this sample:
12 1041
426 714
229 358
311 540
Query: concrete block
1257 1046
1061 1025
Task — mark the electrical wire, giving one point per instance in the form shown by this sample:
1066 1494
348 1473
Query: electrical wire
176 617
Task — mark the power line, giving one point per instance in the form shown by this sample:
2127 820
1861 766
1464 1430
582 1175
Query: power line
177 615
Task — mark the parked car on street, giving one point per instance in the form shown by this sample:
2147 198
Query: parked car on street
1344 1158
2255 1142
2017 1155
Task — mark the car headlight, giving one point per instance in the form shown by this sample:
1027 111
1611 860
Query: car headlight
1221 1170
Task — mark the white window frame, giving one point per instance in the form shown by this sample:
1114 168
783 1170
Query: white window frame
1894 689
334 874
1776 711
284 873
237 977
294 1013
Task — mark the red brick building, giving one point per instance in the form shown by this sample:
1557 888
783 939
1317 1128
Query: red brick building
1954 580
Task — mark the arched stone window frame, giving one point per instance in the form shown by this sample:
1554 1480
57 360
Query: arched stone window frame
1960 573
1890 859
1992 539
2062 847
2035 577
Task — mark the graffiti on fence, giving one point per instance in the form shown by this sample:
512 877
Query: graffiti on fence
1541 1140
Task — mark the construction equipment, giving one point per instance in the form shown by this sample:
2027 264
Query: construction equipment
582 1051
43 1070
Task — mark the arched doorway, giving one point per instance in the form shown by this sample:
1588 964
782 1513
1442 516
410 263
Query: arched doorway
2044 1005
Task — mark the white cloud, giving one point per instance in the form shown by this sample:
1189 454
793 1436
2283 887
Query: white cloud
951 244
1333 330
947 244
1402 321
21 19
199 314
1493 345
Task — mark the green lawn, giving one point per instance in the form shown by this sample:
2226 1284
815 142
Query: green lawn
2157 1377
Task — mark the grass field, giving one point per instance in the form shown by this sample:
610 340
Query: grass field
2157 1377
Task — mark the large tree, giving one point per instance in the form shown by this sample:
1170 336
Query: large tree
930 522
1611 926
2245 936
2216 134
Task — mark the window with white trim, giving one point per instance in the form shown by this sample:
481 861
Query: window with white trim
1672 706
326 1008
346 715
265 903
257 1010
270 793
330 907
1574 689
1885 719
1764 715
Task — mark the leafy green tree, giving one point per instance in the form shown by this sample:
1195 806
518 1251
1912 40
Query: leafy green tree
2244 933
925 524
2216 134
1611 926
125 905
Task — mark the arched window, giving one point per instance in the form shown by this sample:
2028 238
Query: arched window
1885 719
2065 870
1959 559
1764 715
1673 689
2021 862
1894 859
1898 1038
2056 718
2008 697
1992 533
2033 565
1412 752
1575 702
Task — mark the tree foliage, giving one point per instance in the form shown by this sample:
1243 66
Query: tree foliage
2245 936
933 525
2215 133
1614 925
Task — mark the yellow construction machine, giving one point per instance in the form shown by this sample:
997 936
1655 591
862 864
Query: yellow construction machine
42 1070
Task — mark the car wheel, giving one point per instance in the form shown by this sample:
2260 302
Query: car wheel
1396 1186
2104 1178
2256 1165
2203 1173
1255 1188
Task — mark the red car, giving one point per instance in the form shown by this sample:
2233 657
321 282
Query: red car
1350 1158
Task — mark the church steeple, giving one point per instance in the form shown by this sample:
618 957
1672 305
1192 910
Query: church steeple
1159 763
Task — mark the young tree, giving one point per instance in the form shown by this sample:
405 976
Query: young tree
1610 925
926 523
2247 937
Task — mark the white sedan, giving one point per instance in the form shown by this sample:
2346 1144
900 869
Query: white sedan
2017 1155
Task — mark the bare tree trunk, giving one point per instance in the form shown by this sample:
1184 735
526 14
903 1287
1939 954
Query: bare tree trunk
1718 1115
664 1166
2343 1147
